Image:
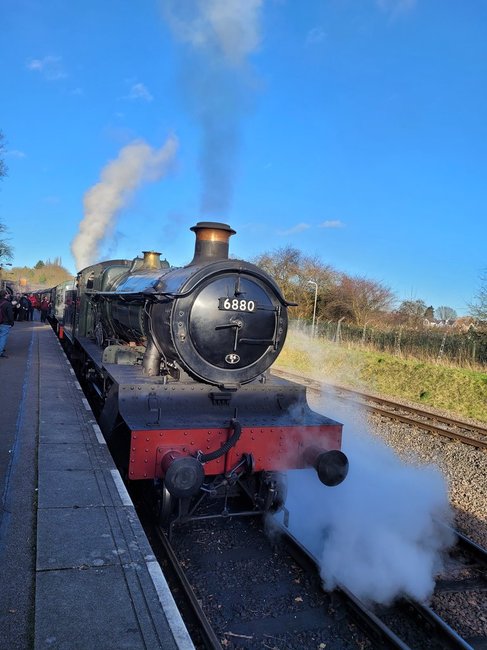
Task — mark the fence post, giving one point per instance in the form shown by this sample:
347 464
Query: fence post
397 345
338 333
363 333
442 347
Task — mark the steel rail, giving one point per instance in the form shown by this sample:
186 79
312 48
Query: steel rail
315 385
480 554
453 639
424 413
379 632
471 547
210 639
375 626
427 426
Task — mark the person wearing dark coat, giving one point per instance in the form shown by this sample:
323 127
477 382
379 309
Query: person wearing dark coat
24 308
44 309
6 321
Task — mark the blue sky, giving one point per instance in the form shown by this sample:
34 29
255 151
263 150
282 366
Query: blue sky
354 130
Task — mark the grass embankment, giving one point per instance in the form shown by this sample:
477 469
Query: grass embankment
458 390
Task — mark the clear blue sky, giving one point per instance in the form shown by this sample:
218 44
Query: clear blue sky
351 129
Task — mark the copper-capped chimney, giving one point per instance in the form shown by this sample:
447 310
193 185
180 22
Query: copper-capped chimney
211 243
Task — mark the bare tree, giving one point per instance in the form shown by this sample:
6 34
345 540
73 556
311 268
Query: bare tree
357 300
478 309
412 313
292 271
445 314
6 251
325 276
339 296
5 248
283 265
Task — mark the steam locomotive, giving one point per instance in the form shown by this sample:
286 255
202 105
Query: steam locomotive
178 361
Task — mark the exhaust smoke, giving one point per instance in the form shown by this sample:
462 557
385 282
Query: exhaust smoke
219 36
136 163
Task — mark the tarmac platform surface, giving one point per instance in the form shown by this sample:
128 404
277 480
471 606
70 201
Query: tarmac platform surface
77 570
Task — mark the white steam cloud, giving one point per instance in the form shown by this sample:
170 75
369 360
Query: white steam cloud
219 35
380 532
136 163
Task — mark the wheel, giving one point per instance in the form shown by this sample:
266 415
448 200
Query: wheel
167 506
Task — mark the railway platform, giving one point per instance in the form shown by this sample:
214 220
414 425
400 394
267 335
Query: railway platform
77 571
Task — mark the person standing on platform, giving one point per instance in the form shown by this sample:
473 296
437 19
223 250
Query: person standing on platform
32 305
6 320
16 306
44 309
24 308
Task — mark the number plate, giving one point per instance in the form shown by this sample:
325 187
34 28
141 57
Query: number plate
236 304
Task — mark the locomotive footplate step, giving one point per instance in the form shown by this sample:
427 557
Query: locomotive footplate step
79 571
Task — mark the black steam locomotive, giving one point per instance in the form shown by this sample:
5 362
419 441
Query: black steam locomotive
178 360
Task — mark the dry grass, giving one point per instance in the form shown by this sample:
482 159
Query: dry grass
460 390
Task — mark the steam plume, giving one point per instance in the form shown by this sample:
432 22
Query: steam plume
220 35
380 532
136 163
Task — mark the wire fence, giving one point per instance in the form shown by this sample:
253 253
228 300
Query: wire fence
462 348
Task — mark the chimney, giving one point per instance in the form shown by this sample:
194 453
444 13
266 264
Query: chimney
151 260
211 241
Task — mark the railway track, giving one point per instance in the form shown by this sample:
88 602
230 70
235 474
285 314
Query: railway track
242 588
400 624
461 592
409 624
454 429
246 592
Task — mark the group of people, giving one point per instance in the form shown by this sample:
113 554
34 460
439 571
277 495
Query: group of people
19 308
24 306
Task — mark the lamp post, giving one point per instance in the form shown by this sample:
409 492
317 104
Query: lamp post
314 307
